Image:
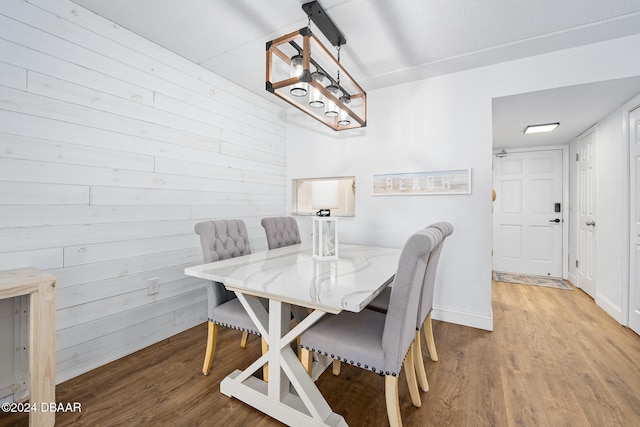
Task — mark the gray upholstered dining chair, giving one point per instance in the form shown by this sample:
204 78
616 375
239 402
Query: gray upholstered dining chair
281 231
424 323
426 307
376 341
222 239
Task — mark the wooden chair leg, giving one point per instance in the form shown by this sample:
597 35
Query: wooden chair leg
392 401
265 367
418 363
336 367
212 338
244 339
306 357
410 372
428 334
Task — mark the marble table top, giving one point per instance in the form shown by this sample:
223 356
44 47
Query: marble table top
292 275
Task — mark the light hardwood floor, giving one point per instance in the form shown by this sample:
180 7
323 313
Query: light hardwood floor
553 359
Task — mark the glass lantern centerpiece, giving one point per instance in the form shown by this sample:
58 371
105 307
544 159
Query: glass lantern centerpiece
325 237
324 196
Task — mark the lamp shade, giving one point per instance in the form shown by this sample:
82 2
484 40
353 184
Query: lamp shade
325 194
299 89
331 109
316 99
343 118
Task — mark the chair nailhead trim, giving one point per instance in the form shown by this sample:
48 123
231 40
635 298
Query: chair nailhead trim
251 331
351 362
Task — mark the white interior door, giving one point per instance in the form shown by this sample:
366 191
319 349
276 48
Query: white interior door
634 203
586 213
527 213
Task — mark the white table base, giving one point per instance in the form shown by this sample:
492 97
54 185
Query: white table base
305 405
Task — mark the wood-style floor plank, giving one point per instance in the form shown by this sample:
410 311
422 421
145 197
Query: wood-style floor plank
553 359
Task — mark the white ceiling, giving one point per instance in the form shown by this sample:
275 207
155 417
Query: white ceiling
392 42
577 108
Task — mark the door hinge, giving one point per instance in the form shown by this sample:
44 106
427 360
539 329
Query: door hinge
577 157
576 263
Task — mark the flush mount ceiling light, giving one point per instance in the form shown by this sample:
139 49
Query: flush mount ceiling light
548 127
304 73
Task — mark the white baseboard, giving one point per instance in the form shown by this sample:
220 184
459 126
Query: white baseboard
465 319
610 308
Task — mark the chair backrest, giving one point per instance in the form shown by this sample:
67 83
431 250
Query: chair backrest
399 327
281 231
221 239
426 300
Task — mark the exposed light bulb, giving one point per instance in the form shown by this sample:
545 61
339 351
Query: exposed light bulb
299 89
331 109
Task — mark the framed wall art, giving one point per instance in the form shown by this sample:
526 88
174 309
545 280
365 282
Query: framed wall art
457 181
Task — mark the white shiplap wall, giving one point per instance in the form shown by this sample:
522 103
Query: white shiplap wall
111 149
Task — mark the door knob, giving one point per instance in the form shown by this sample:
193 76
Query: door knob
591 223
557 220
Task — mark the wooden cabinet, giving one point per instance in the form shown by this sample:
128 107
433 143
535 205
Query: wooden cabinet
42 335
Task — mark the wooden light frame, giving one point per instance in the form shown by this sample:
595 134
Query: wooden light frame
277 57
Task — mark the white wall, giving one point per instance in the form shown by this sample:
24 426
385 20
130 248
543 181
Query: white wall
443 123
111 149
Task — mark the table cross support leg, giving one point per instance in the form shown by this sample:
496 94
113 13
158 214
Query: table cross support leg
305 407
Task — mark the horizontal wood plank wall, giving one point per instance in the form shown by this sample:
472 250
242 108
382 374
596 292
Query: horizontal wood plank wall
111 149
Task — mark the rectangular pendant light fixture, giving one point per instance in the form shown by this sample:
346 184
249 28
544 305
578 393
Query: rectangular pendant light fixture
548 127
304 73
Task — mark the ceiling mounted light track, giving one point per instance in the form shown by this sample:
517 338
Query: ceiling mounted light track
305 74
317 14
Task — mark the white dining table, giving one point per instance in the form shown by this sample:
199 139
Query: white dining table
287 277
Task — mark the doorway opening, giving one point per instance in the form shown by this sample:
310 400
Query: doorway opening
529 212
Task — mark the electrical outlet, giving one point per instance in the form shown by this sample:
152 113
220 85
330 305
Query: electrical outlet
153 286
